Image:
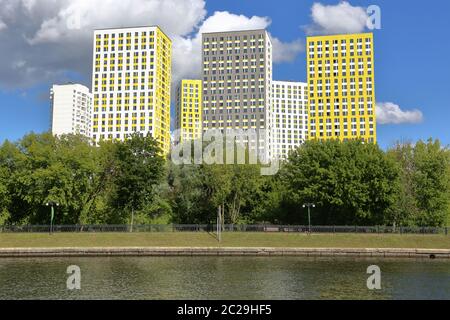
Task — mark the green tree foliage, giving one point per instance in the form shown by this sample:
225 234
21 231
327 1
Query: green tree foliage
190 201
138 169
350 183
4 196
90 183
198 191
42 169
423 198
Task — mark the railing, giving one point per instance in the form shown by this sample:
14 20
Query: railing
226 228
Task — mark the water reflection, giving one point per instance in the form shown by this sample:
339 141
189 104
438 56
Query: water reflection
223 278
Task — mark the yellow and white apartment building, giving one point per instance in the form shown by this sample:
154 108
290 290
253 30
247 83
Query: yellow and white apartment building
131 84
189 110
341 81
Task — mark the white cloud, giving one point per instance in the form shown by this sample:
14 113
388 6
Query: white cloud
187 54
391 113
186 59
335 19
174 16
2 25
187 51
225 21
286 51
53 38
18 64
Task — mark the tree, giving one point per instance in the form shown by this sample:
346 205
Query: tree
4 197
199 190
423 199
138 168
67 170
244 193
350 183
188 201
43 168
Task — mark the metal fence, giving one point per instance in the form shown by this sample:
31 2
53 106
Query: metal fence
226 228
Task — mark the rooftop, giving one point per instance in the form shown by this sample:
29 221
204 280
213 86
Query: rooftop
236 31
341 35
135 27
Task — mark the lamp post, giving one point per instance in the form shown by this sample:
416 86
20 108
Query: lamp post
309 206
132 219
52 213
219 224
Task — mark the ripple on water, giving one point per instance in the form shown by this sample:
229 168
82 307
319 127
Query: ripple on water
240 278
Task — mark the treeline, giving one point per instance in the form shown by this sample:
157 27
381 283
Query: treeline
350 183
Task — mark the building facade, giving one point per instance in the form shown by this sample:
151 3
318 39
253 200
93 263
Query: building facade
341 81
71 108
237 82
289 117
189 110
131 84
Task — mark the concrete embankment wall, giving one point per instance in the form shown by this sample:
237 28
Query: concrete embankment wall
238 252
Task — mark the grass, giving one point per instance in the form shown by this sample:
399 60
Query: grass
33 240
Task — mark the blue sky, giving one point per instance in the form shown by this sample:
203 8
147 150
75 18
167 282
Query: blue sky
412 62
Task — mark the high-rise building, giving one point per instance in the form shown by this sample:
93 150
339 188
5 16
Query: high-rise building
237 80
131 84
341 81
289 117
189 110
71 109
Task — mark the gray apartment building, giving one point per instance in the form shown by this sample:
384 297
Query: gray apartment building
237 81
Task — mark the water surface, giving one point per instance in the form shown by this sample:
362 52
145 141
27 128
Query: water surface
240 278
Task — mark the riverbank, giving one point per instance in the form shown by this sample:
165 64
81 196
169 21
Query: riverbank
231 240
233 244
238 252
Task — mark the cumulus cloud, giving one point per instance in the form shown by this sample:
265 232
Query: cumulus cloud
187 50
52 39
335 19
226 21
286 51
391 113
174 16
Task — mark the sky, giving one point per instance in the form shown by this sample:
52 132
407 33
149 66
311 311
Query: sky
50 41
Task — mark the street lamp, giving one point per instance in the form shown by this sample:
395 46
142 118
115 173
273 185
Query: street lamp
52 213
309 206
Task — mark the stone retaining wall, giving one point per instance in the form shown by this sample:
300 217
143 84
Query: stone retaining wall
147 252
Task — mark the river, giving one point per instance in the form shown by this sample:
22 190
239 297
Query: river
240 278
